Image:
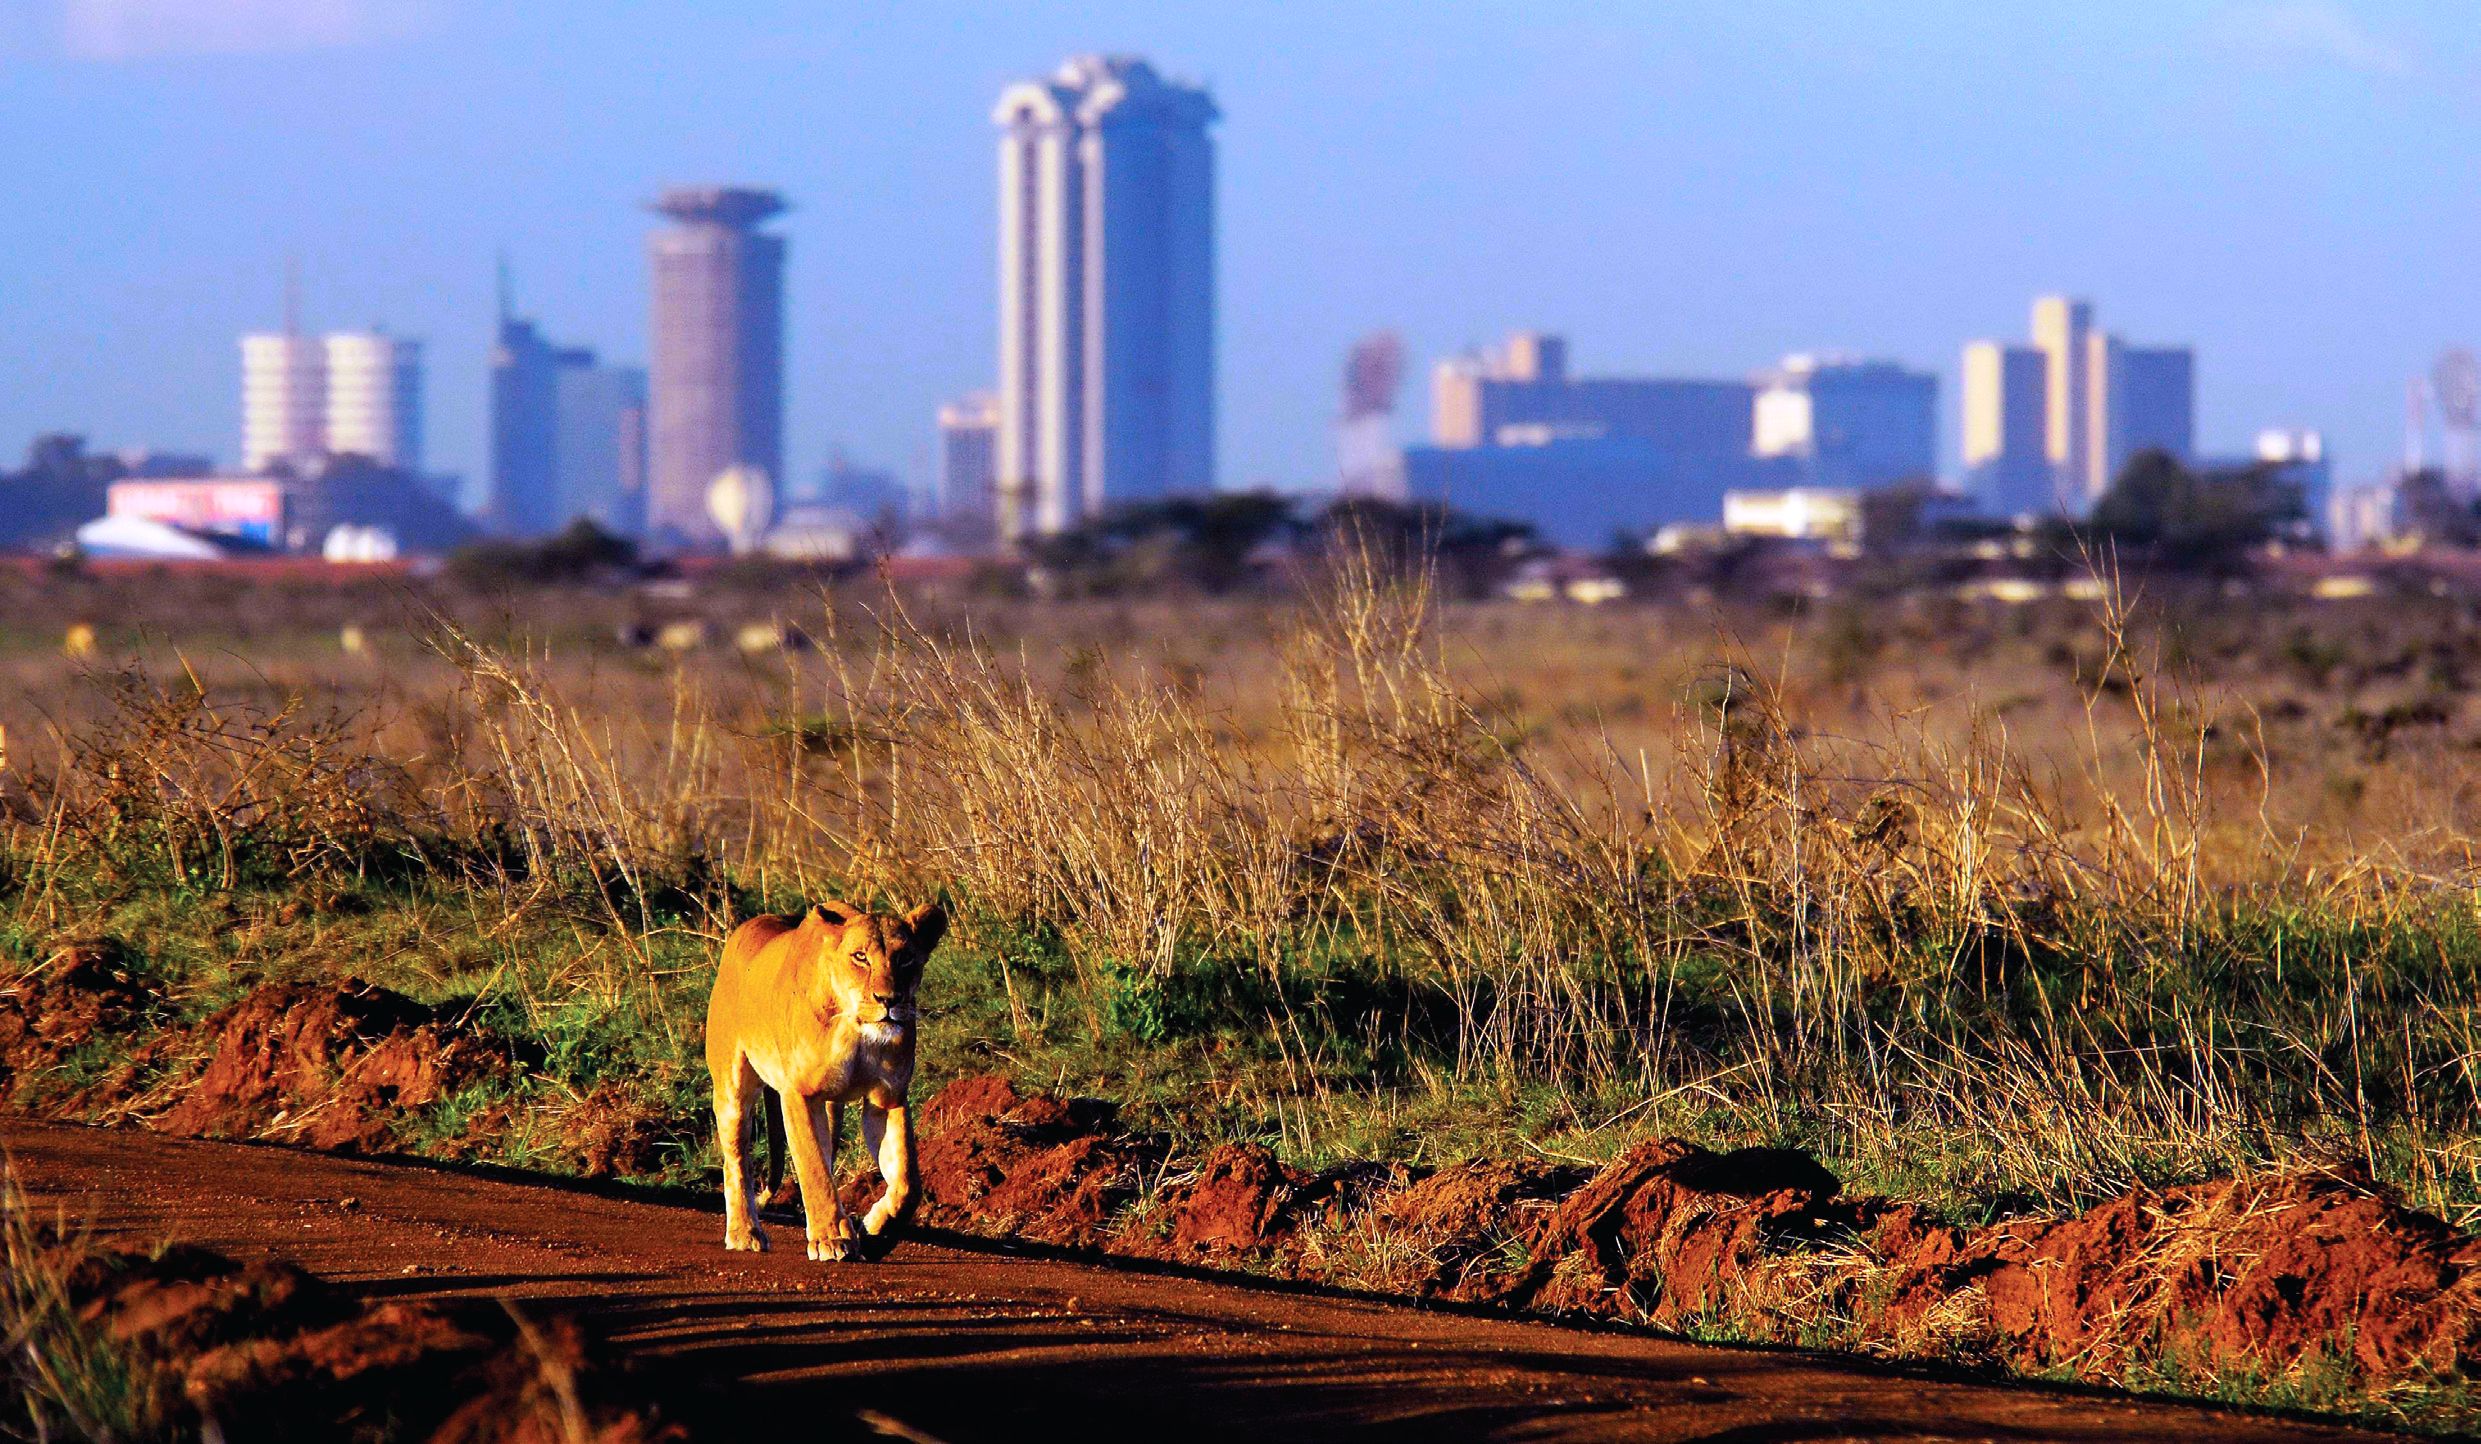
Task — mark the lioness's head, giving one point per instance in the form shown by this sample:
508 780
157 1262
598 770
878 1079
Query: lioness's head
873 961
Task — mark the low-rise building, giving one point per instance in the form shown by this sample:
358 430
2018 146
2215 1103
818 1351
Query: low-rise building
1798 513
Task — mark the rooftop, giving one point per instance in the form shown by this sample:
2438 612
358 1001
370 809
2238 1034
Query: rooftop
738 206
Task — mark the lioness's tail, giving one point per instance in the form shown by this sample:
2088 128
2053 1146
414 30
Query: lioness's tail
775 1138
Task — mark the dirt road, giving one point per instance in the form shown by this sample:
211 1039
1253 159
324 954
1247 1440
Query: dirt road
964 1342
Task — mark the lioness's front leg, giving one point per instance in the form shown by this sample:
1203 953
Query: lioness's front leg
889 1136
812 1125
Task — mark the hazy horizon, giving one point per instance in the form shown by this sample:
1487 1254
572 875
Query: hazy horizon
2284 185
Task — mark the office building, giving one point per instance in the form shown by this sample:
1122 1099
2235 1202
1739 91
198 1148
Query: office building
304 399
2297 458
1106 292
1523 394
599 445
374 398
2146 401
2102 401
568 437
283 400
715 398
969 462
525 368
1514 434
2006 429
2063 333
1854 425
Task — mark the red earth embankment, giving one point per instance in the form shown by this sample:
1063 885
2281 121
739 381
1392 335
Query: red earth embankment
2264 1274
2268 1276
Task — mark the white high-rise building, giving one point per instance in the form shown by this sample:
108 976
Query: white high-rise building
969 461
305 398
374 398
283 399
1106 292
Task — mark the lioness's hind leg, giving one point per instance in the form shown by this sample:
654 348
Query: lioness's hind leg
889 1136
734 1088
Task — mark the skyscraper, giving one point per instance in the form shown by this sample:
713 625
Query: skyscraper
2005 404
524 428
304 398
2101 402
599 445
2063 333
374 398
969 463
568 436
283 399
1106 291
2146 401
717 393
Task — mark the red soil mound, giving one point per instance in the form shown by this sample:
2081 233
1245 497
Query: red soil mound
84 989
294 1357
1244 1200
617 1134
333 1065
1048 1169
2269 1270
1239 1202
1473 1222
1666 1230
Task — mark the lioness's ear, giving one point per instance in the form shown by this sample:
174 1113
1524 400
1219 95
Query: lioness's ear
929 923
835 914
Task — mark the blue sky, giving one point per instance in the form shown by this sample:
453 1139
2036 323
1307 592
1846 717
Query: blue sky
2293 186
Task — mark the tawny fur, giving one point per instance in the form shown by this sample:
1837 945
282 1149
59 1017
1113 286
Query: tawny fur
819 1008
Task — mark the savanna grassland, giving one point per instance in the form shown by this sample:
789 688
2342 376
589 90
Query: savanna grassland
1999 910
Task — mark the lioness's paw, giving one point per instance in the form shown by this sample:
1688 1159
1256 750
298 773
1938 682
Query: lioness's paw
829 1250
750 1242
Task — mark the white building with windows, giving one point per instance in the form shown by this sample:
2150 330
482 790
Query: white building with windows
374 398
283 399
305 398
1106 292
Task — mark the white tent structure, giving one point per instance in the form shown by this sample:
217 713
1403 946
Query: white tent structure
139 539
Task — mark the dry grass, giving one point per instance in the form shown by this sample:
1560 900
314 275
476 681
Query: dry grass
64 1378
1997 907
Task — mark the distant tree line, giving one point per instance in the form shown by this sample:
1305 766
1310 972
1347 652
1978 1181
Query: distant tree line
1238 541
60 488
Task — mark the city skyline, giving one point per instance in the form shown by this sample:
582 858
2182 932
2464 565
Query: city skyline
1745 252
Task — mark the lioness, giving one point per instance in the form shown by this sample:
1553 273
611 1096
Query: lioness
819 1009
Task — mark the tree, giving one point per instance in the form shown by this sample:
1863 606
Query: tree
2195 520
580 552
1205 542
60 488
